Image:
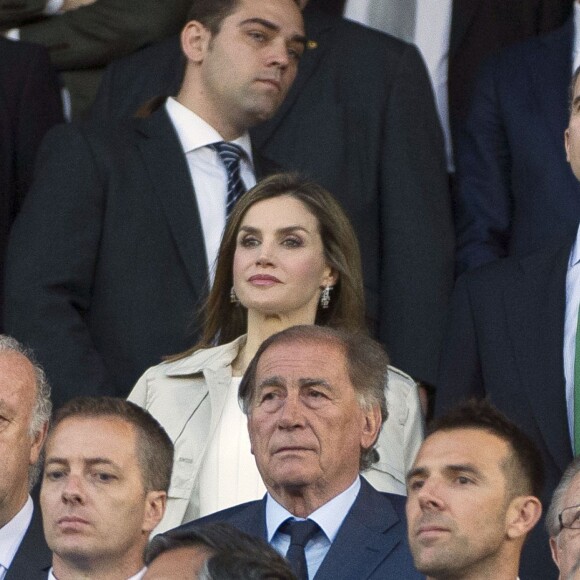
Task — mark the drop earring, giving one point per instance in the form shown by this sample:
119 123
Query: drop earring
325 296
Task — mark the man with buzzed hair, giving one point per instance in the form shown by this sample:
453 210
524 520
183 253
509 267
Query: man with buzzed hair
24 414
473 496
106 475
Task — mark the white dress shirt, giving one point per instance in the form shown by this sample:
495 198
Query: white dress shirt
432 32
329 517
576 53
570 324
207 172
137 576
11 535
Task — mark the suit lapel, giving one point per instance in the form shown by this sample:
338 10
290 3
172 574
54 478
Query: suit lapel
319 29
535 310
166 165
461 17
550 67
371 530
33 558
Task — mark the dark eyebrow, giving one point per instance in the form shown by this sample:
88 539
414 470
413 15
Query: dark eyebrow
285 230
417 471
271 26
464 468
313 382
90 462
275 381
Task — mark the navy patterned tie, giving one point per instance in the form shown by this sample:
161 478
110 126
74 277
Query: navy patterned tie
230 155
300 534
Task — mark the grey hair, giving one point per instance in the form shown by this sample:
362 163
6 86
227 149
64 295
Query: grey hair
42 403
557 504
366 364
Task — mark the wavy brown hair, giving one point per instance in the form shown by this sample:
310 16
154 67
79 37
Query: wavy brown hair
224 321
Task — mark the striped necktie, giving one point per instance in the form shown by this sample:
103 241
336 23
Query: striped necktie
230 155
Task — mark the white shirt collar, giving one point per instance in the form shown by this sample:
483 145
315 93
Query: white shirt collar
11 534
575 253
193 132
576 53
329 516
137 576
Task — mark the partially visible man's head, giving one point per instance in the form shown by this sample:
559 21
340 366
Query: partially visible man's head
24 414
572 132
106 475
315 402
563 522
473 495
213 552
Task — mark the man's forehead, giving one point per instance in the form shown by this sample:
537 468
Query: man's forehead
110 435
278 11
572 496
303 359
17 380
461 446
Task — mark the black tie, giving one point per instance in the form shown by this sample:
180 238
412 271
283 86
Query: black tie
300 534
230 155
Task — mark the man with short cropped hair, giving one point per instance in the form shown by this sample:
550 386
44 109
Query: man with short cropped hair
106 475
473 496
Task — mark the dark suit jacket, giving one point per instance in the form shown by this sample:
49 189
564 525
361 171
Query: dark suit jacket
33 558
516 190
83 41
29 105
478 29
504 341
106 264
370 544
361 120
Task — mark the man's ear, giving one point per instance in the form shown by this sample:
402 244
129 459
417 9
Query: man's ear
37 443
154 509
195 40
371 427
522 515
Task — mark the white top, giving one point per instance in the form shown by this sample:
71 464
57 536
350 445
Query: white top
432 32
11 536
208 172
137 576
570 325
228 475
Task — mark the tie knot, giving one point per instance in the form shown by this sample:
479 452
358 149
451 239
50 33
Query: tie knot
300 532
228 152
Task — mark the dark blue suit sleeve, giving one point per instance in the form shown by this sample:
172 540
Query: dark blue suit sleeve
460 374
484 203
51 259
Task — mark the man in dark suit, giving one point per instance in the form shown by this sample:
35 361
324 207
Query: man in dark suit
516 191
315 403
473 495
478 29
25 412
369 134
29 105
110 256
511 338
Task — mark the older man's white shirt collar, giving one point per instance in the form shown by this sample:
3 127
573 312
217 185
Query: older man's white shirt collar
329 516
137 576
193 132
11 535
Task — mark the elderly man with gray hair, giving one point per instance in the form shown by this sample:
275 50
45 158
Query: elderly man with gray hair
24 414
563 523
314 398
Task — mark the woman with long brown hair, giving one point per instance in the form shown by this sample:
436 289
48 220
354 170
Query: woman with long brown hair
288 256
